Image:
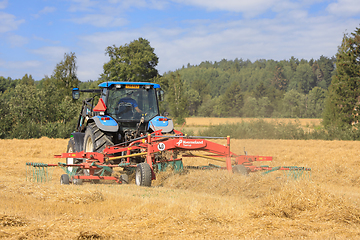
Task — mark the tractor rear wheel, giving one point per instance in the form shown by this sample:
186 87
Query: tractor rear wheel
240 169
143 175
95 140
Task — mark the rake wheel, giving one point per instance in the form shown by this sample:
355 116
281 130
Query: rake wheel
64 179
143 175
240 169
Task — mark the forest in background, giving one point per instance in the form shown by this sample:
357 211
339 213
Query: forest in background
229 88
265 88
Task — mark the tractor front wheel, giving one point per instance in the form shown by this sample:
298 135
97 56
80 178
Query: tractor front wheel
143 175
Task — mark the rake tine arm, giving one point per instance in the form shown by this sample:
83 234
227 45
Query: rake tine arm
88 155
241 159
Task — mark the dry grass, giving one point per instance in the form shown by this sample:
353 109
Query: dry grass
197 124
192 205
205 121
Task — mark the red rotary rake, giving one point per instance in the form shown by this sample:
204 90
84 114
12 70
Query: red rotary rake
152 153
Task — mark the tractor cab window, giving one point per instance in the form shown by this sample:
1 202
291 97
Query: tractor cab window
131 104
103 94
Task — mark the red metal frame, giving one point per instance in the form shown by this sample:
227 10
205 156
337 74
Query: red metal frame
157 142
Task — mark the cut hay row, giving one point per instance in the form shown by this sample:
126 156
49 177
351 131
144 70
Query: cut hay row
192 205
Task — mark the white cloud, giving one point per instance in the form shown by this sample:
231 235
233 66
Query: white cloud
17 40
129 3
17 69
23 64
43 11
100 20
291 32
90 65
158 4
249 8
152 4
3 4
101 40
82 5
45 61
91 59
119 5
51 53
8 22
37 38
345 8
276 39
110 14
47 10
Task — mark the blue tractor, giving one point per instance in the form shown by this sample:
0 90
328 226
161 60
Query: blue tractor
125 112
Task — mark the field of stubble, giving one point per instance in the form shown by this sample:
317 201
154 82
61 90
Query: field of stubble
196 124
193 205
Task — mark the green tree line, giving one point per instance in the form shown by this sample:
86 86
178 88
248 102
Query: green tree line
265 88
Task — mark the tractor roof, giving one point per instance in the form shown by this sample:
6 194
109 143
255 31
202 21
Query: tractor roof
109 84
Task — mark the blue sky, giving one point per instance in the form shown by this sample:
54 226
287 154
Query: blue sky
34 35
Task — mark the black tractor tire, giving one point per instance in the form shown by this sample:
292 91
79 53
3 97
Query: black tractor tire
64 179
240 169
72 149
95 140
143 175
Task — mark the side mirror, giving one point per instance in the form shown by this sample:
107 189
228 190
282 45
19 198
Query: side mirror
75 93
160 94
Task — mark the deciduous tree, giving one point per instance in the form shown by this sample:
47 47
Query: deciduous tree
65 74
176 97
132 62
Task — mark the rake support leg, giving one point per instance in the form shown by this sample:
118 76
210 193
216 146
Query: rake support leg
228 158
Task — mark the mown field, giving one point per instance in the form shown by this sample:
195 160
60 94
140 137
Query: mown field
193 205
196 124
203 121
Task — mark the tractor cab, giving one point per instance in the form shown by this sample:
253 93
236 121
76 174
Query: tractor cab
125 111
129 103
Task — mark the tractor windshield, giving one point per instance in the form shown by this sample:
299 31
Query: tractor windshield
131 104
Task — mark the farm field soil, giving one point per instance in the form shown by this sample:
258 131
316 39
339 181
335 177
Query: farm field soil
192 205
